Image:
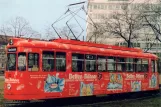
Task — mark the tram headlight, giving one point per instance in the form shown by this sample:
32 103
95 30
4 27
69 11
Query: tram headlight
8 86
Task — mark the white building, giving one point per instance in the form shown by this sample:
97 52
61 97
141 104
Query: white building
99 8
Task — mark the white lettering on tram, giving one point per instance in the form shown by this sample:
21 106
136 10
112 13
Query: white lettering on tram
133 76
12 80
80 77
89 76
139 76
130 76
75 76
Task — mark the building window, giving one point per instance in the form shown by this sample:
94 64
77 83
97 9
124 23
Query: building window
60 61
110 6
22 61
33 62
102 6
117 7
2 65
77 62
105 6
138 44
90 63
95 6
90 6
98 6
48 61
101 63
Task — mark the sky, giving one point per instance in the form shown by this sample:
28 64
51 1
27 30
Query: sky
39 13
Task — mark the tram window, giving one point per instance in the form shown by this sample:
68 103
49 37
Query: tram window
121 64
145 65
90 61
11 62
111 64
101 63
60 61
156 66
22 61
33 62
137 64
129 64
153 66
48 61
77 62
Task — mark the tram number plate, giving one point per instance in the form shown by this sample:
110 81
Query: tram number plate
12 49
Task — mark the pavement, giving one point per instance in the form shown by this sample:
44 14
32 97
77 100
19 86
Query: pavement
1 77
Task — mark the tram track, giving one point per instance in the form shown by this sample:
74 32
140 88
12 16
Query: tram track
84 101
117 102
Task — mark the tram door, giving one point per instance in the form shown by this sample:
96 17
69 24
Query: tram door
153 77
33 71
102 74
91 82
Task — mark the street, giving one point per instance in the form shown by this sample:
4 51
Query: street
1 77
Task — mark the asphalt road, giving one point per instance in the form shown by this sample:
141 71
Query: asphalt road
1 77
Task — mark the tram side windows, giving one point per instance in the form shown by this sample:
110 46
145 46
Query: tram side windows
121 64
48 61
60 61
22 61
145 65
153 65
156 66
111 64
137 64
11 62
90 63
101 64
77 62
33 62
129 65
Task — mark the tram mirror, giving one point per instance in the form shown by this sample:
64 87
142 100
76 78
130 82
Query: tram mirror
11 42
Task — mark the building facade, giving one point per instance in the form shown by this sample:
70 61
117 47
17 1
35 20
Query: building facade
150 47
2 58
99 8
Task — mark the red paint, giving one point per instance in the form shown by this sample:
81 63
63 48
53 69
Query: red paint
26 85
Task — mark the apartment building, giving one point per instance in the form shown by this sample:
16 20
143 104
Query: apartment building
100 8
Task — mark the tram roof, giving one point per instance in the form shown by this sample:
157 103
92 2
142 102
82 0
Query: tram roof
90 44
77 45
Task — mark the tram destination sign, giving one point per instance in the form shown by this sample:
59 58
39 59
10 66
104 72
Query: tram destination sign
13 49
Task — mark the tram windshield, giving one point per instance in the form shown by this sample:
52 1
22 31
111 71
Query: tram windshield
11 62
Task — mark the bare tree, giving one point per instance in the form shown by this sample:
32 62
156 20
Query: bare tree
66 32
18 27
126 24
49 33
153 18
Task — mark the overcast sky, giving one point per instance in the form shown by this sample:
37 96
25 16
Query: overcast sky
39 13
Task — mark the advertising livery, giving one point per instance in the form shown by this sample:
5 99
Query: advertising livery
68 68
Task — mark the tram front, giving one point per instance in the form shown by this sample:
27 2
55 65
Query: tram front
14 86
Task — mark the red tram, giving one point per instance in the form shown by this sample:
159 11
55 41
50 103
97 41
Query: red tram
69 68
